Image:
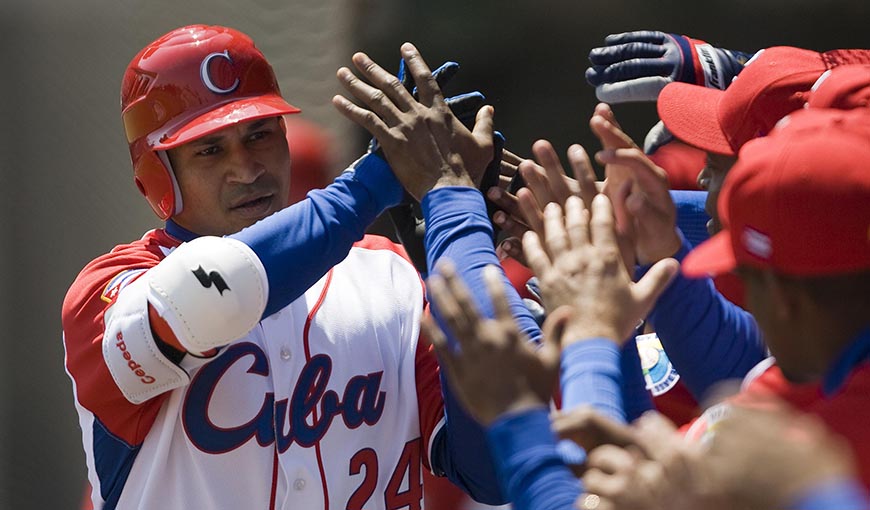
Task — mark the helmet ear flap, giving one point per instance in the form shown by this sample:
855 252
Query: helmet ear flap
153 180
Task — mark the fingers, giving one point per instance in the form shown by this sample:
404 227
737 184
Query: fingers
556 179
576 222
530 210
386 91
536 257
427 86
602 226
509 157
650 36
365 118
535 178
483 124
609 133
653 283
555 236
583 172
652 179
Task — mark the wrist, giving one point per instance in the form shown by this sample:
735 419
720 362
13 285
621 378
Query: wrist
591 331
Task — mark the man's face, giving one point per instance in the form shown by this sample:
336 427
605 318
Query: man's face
710 179
232 178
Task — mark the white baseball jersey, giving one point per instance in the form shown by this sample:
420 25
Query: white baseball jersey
330 403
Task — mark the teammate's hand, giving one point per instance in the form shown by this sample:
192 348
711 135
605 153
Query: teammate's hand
585 284
636 66
766 457
407 217
492 369
541 183
638 188
426 145
659 470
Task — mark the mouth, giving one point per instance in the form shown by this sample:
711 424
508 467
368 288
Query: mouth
254 208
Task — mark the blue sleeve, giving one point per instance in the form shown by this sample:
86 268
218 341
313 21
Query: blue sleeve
299 244
708 338
530 469
636 398
692 216
458 228
591 375
835 494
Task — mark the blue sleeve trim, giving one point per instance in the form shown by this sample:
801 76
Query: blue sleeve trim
833 494
708 338
530 468
591 374
299 244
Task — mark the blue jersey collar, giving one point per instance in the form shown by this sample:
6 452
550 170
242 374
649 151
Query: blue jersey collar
179 232
855 353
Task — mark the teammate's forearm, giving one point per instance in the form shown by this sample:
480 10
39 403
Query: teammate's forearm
457 227
530 469
591 376
299 244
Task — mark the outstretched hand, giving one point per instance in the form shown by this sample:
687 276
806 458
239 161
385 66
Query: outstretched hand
491 368
579 266
426 145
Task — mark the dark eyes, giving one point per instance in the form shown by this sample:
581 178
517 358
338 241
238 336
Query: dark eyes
253 137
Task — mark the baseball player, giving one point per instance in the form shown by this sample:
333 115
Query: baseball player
253 355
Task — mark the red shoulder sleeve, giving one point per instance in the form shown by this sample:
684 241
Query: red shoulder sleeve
91 294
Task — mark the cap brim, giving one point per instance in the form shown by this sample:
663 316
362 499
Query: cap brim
710 258
242 110
691 113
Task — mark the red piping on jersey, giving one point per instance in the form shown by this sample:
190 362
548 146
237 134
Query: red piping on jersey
310 318
274 478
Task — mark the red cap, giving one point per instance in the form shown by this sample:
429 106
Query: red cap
797 202
774 83
843 87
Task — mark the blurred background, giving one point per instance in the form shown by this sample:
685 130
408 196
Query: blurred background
66 181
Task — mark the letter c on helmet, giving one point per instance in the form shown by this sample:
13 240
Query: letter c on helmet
206 77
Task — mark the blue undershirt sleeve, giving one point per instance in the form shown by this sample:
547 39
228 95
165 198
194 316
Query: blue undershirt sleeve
300 243
458 228
636 398
834 494
531 471
591 375
708 338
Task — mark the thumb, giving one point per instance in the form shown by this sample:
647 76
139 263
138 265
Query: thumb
483 123
651 286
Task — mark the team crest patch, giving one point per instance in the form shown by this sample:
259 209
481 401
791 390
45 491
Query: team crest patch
658 371
116 284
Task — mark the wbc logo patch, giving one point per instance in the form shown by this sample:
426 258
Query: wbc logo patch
658 371
117 284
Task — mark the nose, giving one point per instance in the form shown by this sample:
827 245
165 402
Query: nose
245 167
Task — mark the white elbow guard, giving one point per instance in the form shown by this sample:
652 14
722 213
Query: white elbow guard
210 291
138 367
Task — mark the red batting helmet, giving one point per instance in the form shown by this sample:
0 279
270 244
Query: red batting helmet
191 82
